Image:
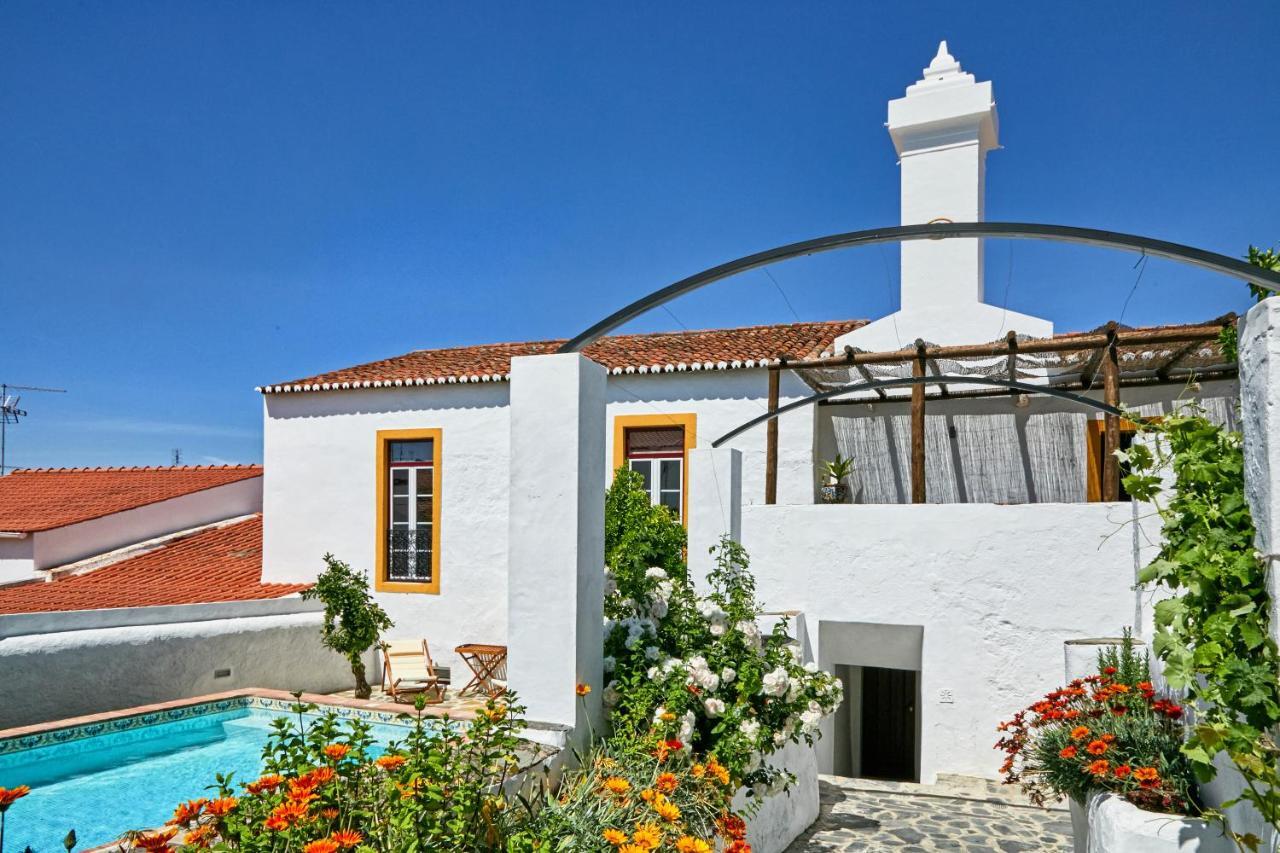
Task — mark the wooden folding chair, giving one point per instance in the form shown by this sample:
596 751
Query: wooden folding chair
407 669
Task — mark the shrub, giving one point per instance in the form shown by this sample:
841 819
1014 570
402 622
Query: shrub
353 621
1106 732
697 669
325 787
649 795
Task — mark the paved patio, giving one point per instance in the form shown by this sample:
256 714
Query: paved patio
959 813
460 707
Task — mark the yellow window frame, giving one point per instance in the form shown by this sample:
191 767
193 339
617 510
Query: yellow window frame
384 438
689 421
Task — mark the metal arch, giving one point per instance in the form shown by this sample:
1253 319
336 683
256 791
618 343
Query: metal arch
924 380
933 231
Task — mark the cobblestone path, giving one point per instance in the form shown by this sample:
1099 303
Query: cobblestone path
957 814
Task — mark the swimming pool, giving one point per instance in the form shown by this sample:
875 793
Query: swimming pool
131 771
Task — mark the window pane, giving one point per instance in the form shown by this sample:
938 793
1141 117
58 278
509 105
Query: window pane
400 510
644 468
424 481
424 509
410 451
400 481
670 478
671 499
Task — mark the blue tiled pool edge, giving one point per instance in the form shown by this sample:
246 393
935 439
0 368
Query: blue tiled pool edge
129 718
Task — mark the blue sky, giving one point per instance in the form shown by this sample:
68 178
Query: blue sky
197 198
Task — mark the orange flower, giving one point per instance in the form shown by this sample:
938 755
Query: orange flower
582 689
222 806
666 783
267 783
738 846
330 813
390 762
1097 747
647 795
732 826
199 837
1067 752
689 844
665 809
156 840
698 771
615 837
1148 777
1098 768
1122 770
647 836
336 751
319 776
1080 733
347 838
187 812
287 814
9 796
616 785
324 845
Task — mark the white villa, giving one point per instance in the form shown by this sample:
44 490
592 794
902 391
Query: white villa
934 615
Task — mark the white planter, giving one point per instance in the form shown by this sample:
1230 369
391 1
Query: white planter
1112 824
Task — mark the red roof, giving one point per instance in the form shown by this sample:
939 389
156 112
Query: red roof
708 349
217 564
36 499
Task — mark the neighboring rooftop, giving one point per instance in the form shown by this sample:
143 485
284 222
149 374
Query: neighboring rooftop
35 499
661 352
222 563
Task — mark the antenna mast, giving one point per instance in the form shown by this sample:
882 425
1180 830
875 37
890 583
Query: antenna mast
10 413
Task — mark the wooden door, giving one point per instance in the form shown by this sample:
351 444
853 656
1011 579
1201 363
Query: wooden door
889 724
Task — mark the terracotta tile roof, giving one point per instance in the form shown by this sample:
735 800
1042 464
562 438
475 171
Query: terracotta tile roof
217 564
708 349
34 499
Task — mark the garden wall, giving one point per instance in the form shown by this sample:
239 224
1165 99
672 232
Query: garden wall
52 668
977 597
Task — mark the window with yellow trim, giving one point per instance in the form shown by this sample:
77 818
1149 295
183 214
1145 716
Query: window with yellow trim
408 557
657 448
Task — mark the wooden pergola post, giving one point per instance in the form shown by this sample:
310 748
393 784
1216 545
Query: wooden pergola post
917 428
771 437
1111 423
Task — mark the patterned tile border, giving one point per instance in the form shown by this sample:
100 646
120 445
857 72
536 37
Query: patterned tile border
77 728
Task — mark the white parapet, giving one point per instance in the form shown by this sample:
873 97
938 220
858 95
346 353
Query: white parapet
555 592
715 503
1260 417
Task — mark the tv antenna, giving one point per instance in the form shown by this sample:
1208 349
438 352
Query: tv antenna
10 413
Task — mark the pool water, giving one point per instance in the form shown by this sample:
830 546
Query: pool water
116 781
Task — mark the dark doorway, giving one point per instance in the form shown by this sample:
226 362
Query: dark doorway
889 724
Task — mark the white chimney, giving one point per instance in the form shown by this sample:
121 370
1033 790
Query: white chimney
942 130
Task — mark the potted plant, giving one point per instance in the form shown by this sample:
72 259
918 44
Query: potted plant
835 490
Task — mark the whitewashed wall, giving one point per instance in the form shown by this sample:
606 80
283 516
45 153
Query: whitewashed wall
50 670
320 490
17 558
997 589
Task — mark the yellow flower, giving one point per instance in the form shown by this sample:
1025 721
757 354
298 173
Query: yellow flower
668 716
647 795
689 844
616 837
698 771
616 785
666 809
583 689
647 836
633 848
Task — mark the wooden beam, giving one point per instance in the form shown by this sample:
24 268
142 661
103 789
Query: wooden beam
1077 342
1111 442
1091 366
917 428
771 441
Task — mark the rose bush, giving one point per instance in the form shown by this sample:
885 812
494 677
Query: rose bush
695 666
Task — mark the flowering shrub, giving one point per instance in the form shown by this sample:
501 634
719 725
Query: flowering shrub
654 795
696 668
1106 732
324 791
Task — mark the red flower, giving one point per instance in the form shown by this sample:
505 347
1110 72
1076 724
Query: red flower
1067 752
1111 670
1096 747
1122 770
1098 768
9 796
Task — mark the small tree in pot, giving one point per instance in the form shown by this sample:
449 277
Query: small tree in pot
835 490
353 621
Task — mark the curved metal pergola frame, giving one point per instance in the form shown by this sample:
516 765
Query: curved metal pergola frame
1190 255
908 381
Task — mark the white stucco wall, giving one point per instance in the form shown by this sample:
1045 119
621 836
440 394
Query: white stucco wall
69 673
996 589
97 536
320 490
17 558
